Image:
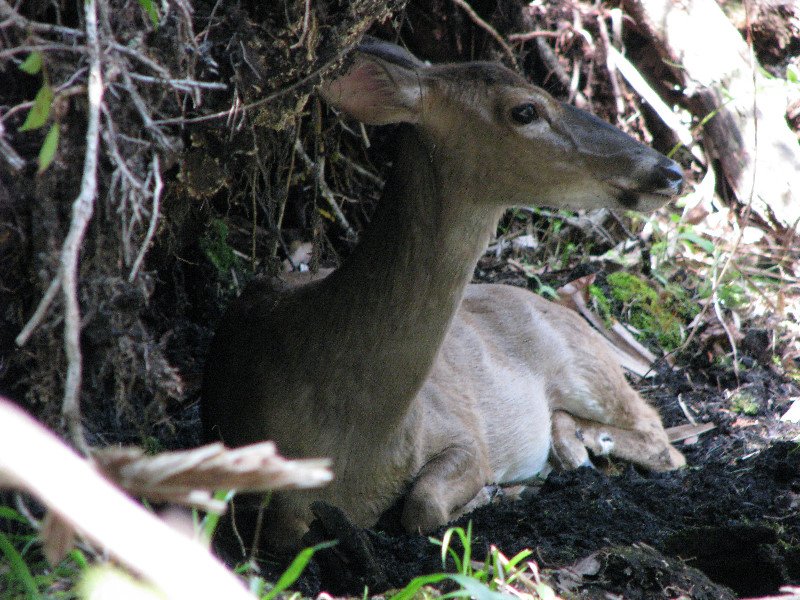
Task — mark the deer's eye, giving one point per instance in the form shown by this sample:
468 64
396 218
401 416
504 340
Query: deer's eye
525 113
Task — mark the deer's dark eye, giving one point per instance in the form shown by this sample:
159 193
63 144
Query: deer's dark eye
525 113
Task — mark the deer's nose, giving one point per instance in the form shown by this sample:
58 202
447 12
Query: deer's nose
671 171
671 174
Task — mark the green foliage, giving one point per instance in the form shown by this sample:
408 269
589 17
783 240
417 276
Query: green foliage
37 115
24 572
19 568
28 576
205 527
660 315
294 570
488 581
542 289
745 403
33 64
48 150
216 247
601 303
732 294
150 9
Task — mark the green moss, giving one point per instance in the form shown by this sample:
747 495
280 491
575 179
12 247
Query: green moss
658 315
152 445
601 303
745 403
216 248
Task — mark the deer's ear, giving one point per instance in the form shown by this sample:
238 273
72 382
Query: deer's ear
379 88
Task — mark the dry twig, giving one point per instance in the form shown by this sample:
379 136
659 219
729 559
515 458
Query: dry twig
82 209
158 186
325 190
464 5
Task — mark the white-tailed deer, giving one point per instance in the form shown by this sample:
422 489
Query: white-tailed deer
415 383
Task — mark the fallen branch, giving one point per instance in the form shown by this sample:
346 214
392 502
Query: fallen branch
33 459
743 112
637 82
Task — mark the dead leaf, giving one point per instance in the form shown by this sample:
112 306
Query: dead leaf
571 577
57 536
686 432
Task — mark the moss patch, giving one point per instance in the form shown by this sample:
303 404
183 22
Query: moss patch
659 315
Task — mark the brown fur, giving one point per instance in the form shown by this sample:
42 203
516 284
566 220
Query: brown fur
413 382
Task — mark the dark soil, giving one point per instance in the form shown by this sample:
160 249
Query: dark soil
736 520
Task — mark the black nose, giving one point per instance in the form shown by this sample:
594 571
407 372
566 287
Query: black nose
671 171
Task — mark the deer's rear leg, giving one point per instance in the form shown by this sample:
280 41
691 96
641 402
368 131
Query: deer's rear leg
646 445
449 484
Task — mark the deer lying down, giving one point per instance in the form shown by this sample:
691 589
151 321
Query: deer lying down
415 383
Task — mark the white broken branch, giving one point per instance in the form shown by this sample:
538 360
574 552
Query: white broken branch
35 460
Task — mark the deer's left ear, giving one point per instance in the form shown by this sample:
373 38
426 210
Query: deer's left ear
380 87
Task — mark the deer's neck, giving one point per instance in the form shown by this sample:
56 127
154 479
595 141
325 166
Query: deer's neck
396 295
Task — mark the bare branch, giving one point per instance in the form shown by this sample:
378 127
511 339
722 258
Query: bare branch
324 189
82 210
158 186
41 311
12 16
489 29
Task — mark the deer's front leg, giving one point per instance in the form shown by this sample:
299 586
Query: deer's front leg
447 483
644 444
568 445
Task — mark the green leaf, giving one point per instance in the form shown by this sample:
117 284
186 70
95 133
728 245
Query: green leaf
150 9
32 64
37 115
291 574
706 245
49 147
415 584
19 567
11 514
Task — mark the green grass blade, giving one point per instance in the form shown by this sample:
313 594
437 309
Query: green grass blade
291 574
19 567
518 558
209 523
415 584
